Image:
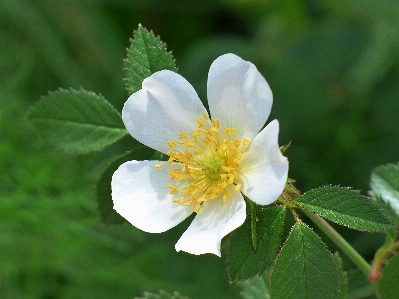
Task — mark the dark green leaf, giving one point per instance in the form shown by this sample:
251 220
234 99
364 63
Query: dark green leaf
146 55
76 121
162 295
304 268
345 207
242 261
388 286
384 182
104 200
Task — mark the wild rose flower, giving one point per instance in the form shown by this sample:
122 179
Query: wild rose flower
213 161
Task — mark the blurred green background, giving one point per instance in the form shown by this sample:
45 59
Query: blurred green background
333 67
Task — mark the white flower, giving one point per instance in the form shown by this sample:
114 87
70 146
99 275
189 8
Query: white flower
212 162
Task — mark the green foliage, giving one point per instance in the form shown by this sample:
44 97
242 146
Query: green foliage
242 261
384 182
146 55
388 285
163 295
346 207
76 121
304 268
104 200
255 288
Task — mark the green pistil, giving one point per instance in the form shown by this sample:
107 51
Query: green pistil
213 167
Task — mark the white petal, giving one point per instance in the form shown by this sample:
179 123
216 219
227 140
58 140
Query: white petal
165 106
264 169
215 220
238 95
140 194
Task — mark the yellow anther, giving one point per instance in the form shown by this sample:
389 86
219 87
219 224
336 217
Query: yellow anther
190 143
171 144
226 169
212 131
183 135
188 154
206 116
196 133
200 122
224 147
238 187
246 141
215 123
159 165
207 140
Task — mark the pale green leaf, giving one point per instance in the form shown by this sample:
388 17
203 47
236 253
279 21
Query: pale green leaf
346 207
162 295
304 269
76 121
384 182
242 261
255 288
146 55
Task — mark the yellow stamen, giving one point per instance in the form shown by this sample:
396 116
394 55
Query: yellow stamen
206 165
159 165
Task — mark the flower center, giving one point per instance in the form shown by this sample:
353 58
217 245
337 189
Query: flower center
208 164
213 167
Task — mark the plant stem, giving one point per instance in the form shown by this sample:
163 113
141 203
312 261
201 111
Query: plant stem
350 252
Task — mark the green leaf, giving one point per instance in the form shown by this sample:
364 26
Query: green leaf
255 288
388 286
342 277
146 55
304 268
384 182
76 121
104 200
242 262
346 207
162 295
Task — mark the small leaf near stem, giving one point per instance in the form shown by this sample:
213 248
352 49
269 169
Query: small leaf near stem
254 233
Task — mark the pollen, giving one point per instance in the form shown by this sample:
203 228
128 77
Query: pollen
207 165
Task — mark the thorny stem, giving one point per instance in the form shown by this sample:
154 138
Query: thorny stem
349 251
389 248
